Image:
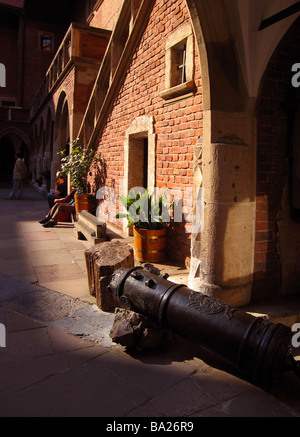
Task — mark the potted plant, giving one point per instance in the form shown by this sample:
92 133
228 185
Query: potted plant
78 164
149 217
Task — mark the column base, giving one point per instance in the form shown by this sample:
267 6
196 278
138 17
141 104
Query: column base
238 296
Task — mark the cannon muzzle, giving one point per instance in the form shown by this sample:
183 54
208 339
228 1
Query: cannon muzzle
257 348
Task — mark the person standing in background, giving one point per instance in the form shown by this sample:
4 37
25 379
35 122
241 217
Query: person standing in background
20 173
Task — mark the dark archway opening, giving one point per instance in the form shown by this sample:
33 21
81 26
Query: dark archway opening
277 248
7 159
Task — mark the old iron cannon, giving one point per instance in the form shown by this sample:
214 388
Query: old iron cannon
257 348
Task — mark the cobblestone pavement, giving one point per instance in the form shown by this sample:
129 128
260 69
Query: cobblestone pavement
60 361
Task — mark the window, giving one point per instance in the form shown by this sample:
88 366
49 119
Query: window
2 76
178 64
182 66
179 74
8 103
46 44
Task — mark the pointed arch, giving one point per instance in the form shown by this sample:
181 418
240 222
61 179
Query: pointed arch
13 140
49 134
60 103
16 132
61 133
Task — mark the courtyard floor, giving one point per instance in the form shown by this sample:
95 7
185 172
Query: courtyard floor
59 359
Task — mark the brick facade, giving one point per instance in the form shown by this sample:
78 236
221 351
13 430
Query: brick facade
9 55
177 125
25 63
37 62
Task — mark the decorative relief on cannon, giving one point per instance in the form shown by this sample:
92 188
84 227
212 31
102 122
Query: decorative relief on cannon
207 305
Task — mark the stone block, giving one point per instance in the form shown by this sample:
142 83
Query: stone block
137 332
90 227
102 261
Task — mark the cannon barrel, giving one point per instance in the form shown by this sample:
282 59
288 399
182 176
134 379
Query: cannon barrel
257 348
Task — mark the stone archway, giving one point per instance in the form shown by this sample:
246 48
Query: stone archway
7 159
13 140
62 133
228 39
40 150
277 249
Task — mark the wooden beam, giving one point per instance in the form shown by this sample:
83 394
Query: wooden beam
285 13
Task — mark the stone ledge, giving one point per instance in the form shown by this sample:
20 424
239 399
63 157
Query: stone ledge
178 91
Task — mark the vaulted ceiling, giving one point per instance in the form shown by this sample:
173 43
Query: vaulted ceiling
256 46
234 46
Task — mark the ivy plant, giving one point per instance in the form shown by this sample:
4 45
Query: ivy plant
77 164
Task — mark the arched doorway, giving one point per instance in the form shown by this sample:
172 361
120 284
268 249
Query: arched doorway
277 249
234 53
61 134
7 159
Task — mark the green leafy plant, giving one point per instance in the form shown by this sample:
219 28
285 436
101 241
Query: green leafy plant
144 211
77 164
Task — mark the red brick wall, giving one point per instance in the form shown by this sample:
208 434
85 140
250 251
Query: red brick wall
26 75
177 125
272 162
9 54
36 62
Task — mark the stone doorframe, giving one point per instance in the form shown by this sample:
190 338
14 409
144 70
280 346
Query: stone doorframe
140 128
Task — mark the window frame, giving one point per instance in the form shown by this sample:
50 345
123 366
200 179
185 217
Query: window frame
45 36
174 86
7 102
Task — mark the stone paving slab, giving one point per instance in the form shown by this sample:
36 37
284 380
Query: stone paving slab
77 288
10 288
12 242
89 323
36 302
53 272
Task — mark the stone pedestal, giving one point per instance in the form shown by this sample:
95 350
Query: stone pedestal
102 260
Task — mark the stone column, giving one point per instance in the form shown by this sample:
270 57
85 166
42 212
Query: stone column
223 248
